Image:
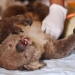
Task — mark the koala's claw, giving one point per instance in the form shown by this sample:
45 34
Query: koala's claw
28 21
34 65
17 30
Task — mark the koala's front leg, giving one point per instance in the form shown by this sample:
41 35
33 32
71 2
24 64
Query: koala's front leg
34 65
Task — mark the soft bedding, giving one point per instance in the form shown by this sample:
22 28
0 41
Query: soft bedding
63 66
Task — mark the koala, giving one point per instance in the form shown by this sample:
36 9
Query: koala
25 51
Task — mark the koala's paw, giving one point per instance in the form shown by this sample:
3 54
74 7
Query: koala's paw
34 65
16 30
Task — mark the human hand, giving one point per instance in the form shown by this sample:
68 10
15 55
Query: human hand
53 24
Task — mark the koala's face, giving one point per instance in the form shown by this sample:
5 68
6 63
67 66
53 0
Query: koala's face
11 56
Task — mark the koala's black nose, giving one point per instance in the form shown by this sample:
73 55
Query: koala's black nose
21 45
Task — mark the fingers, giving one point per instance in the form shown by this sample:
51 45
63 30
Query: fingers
52 30
54 33
51 33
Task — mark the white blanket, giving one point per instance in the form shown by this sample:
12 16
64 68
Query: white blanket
63 66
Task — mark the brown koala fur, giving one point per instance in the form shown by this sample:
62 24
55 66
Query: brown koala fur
10 58
40 46
34 8
8 25
14 10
